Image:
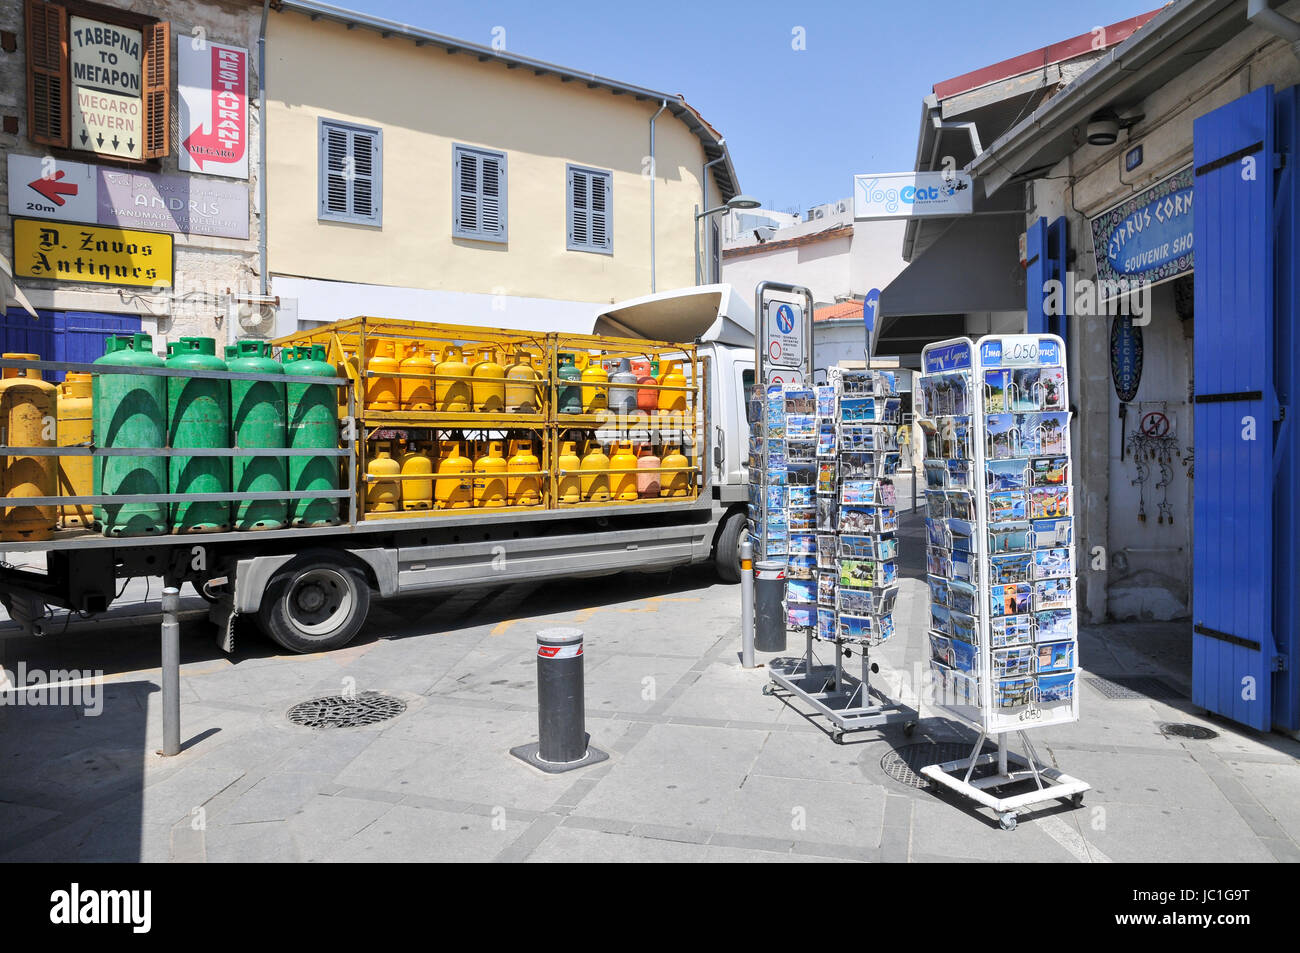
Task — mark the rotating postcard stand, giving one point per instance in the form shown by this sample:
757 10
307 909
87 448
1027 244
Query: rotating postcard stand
999 559
836 447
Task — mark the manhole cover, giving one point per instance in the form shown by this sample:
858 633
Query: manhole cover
1132 686
904 764
346 711
1192 732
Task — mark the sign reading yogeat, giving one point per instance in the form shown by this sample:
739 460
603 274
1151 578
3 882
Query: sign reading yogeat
911 195
92 253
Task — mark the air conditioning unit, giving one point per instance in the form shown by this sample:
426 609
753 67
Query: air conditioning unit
253 316
817 213
842 205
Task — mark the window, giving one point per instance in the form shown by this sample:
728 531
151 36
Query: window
591 210
60 97
478 194
351 174
715 258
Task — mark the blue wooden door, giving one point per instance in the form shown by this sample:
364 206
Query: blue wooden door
62 335
1236 411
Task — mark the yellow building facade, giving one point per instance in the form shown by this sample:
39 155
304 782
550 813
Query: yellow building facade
463 183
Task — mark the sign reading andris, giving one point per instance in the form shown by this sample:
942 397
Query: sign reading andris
213 83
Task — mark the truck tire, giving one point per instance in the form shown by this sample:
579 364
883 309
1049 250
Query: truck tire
315 603
726 554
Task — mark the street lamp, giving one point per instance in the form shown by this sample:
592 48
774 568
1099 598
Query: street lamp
735 202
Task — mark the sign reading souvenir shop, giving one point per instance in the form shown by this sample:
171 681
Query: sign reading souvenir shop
92 253
1147 239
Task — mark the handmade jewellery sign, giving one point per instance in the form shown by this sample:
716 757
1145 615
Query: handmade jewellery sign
76 192
1147 239
911 195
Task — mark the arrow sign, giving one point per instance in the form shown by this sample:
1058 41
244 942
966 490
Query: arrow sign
53 189
221 140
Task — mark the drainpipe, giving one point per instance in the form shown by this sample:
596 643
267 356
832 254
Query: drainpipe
261 150
1262 15
704 203
654 174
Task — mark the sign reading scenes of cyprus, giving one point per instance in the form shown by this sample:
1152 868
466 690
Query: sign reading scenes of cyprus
107 106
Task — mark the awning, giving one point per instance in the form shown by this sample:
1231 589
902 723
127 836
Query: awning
973 266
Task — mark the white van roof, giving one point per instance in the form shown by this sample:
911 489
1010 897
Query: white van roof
707 313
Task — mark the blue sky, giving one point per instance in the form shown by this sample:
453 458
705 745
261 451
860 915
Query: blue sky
799 123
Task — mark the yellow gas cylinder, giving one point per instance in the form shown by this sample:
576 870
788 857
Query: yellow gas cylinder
453 494
595 487
417 494
452 392
672 376
417 394
647 483
595 398
76 423
524 491
623 485
489 384
521 385
383 495
569 488
28 416
382 392
489 485
674 476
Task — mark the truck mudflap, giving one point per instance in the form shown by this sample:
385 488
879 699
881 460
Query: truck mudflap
222 614
252 576
26 610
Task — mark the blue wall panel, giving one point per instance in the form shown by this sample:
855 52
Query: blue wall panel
62 335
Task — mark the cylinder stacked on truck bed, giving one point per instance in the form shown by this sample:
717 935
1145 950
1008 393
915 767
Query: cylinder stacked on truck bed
432 418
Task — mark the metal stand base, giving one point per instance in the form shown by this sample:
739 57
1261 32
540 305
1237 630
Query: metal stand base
528 753
849 703
1050 784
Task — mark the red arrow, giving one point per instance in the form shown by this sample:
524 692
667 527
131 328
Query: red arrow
53 189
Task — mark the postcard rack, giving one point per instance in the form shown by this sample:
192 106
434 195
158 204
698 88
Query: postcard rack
1003 639
828 503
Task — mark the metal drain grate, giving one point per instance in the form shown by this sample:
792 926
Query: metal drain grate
346 711
1132 686
904 764
1191 732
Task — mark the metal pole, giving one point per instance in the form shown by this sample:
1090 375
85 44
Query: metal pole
561 716
697 245
171 671
1002 753
746 603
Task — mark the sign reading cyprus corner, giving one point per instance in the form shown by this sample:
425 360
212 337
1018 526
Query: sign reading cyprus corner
911 195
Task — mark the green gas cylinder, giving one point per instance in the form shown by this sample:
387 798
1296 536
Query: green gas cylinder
198 415
257 421
569 397
130 412
313 421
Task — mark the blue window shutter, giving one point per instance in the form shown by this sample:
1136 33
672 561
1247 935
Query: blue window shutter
1035 276
350 179
590 210
479 198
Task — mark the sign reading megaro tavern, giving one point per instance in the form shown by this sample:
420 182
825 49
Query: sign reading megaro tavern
1147 239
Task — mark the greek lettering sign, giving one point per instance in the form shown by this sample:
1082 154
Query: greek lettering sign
92 253
213 85
104 62
1147 238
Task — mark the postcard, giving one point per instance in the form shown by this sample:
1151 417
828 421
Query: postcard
1054 624
1044 434
1018 660
1023 393
1053 594
826 444
961 597
802 544
858 574
962 564
1013 692
800 427
827 512
936 475
1007 505
938 562
1052 393
936 504
1009 599
825 400
1016 567
1055 656
959 473
802 520
954 437
938 589
960 505
855 628
1050 533
858 492
1002 437
959 537
800 496
965 657
886 548
854 601
800 566
826 624
800 590
1005 475
1010 630
996 399
859 410
826 477
962 625
800 619
857 465
936 534
800 400
857 439
777 476
801 474
1055 688
1009 537
1049 563
1048 502
1048 471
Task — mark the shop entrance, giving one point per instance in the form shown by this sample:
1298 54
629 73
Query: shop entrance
1246 575
62 335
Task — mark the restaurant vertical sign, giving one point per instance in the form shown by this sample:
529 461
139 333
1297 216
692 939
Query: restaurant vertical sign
213 86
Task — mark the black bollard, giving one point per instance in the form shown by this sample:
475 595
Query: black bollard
561 716
769 613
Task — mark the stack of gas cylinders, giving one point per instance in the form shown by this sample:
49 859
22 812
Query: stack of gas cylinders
152 412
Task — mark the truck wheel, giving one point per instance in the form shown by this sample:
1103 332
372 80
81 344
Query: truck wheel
726 557
314 605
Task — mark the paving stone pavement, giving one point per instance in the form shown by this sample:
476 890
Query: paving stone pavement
703 766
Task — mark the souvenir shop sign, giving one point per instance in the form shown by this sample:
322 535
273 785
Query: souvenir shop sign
1125 357
1147 238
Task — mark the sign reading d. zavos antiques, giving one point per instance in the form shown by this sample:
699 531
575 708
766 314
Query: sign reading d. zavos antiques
213 84
94 253
107 109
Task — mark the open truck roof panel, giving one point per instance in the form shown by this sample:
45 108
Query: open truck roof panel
708 314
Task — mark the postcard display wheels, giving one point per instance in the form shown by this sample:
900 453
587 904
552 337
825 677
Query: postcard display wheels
999 558
828 506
